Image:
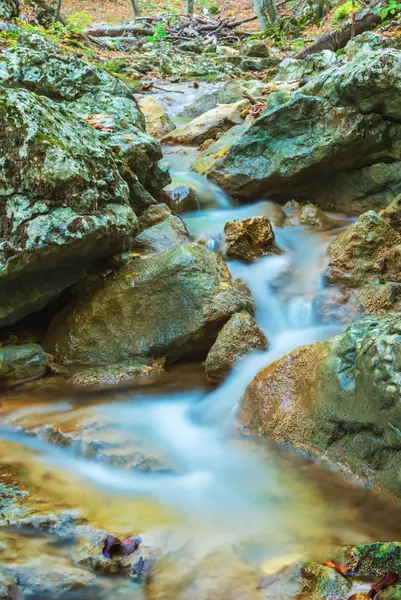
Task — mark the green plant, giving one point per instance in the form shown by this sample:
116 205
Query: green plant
388 10
76 23
160 34
345 10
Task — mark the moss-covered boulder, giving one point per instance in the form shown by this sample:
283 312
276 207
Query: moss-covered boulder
339 400
239 337
172 304
374 559
334 141
91 93
9 9
207 159
367 251
64 202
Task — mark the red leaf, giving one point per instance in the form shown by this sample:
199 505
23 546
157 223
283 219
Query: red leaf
380 584
336 567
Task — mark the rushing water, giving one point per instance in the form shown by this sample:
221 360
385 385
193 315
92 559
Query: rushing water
217 488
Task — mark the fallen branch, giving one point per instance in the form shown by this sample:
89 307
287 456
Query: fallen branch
334 40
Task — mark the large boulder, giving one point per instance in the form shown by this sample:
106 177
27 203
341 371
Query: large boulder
39 65
172 304
339 400
209 125
334 141
64 202
207 159
162 236
368 251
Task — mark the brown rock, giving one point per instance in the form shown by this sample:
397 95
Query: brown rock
250 239
158 122
153 215
182 198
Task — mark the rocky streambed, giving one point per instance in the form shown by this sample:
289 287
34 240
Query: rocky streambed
182 365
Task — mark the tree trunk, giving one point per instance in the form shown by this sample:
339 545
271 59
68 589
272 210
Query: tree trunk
58 11
267 12
363 21
136 8
189 7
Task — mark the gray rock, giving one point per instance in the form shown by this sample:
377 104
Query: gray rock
172 304
161 237
21 363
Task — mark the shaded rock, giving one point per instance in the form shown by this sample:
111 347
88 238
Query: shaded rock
182 198
65 203
115 374
312 216
21 363
258 64
338 400
239 337
158 123
162 236
205 162
52 579
227 93
156 213
369 250
254 48
208 125
392 213
250 239
172 304
379 298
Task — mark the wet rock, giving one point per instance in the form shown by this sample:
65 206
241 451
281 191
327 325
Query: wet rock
274 213
341 401
90 555
162 236
205 162
368 251
156 213
65 203
351 156
254 48
182 198
158 123
52 579
312 216
250 239
239 337
227 93
172 304
209 125
115 374
6 585
21 363
12 504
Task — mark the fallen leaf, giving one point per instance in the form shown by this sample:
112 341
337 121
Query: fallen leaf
336 567
380 584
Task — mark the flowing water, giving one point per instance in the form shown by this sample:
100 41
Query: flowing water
212 487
